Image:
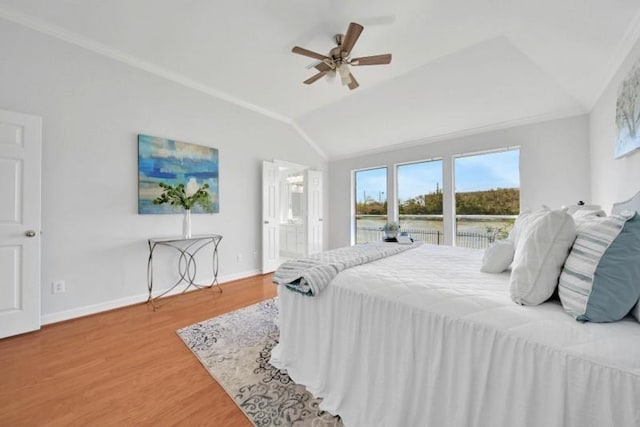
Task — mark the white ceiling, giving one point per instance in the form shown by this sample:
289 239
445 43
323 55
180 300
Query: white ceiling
458 66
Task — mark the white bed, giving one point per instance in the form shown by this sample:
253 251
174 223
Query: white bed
423 338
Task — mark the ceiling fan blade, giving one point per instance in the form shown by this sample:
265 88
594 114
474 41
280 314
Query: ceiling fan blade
304 52
351 37
353 83
312 65
315 78
372 60
323 66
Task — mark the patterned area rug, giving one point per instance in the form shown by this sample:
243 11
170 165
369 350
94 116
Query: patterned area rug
235 348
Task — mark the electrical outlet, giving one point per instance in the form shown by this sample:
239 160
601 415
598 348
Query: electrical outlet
239 258
58 287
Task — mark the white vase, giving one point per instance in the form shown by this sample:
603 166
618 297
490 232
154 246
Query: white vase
186 224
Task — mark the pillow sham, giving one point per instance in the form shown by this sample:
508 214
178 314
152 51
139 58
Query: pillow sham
498 256
589 213
540 252
600 281
578 211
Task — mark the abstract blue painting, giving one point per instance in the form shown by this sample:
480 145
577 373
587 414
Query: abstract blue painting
174 162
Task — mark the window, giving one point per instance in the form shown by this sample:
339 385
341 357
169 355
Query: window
420 200
371 204
487 196
474 205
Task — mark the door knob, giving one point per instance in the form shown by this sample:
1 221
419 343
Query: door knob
30 233
266 222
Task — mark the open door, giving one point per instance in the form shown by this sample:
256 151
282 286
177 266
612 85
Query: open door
270 217
20 165
313 183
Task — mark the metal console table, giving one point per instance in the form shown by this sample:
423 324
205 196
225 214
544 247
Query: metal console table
187 268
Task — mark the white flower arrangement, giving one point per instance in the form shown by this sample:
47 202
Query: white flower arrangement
187 197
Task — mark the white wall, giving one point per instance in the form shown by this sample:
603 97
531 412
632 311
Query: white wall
554 166
92 109
612 179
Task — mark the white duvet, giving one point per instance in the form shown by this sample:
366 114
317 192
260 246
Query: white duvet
424 338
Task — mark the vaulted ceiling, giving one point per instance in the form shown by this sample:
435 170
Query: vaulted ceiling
459 66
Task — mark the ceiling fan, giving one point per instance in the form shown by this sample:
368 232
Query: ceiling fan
339 60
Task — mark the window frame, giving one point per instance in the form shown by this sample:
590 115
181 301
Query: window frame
396 166
354 198
452 190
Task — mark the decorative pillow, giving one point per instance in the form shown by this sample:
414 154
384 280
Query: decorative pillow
498 256
589 212
540 253
577 211
600 281
524 221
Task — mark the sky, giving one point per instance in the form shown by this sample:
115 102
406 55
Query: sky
472 173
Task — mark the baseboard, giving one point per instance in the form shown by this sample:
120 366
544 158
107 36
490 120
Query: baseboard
60 316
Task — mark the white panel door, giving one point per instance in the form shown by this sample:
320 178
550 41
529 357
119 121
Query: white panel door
270 217
313 190
20 163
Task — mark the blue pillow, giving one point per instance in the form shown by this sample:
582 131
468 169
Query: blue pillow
600 281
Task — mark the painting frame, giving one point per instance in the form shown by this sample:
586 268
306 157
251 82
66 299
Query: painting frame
628 114
172 162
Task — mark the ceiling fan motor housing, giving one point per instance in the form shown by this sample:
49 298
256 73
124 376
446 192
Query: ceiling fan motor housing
337 54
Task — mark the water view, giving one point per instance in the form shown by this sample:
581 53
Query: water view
471 230
486 190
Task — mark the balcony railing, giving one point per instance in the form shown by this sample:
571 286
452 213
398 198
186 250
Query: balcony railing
468 239
435 237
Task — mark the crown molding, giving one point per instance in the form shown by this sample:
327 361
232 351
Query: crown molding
477 130
117 55
130 60
307 138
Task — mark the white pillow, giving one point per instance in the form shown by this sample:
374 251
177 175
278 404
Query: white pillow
584 210
524 221
588 213
540 253
498 256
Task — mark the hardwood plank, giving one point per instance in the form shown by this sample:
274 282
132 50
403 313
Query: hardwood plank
122 367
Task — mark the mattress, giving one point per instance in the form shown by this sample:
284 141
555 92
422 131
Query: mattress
423 338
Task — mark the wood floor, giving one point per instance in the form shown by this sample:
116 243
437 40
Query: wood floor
124 367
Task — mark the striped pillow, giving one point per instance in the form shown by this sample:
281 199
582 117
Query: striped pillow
600 281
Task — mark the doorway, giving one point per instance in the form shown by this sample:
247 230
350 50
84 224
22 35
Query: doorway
292 206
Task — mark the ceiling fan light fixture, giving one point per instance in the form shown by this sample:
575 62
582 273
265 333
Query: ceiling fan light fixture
331 76
345 72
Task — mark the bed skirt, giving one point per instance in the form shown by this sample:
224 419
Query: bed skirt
378 362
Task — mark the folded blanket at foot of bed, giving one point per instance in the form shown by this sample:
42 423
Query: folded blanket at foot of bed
309 276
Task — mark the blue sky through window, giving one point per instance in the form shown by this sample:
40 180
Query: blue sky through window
488 171
371 183
472 173
416 179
